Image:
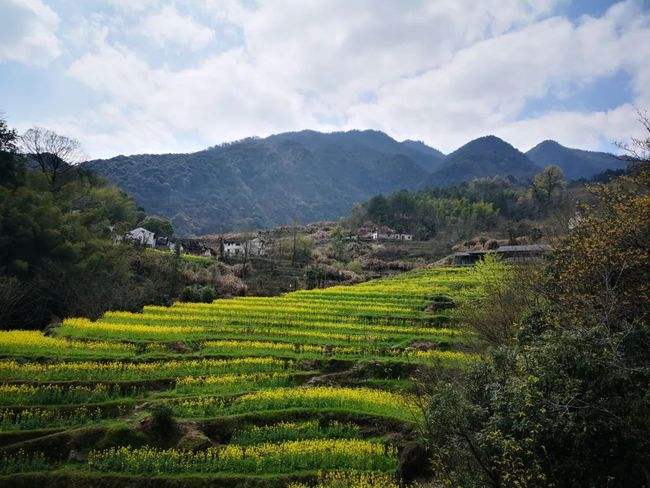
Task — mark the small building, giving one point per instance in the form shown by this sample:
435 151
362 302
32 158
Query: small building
166 244
376 235
467 258
400 237
379 235
162 242
384 233
141 236
521 253
231 247
195 247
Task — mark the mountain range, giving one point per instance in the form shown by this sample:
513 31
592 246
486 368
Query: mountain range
309 176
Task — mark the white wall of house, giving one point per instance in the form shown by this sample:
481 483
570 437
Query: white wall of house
232 248
142 236
391 237
255 247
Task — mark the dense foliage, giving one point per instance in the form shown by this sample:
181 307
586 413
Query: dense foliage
468 209
565 401
58 250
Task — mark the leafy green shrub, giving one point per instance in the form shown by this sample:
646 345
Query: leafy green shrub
162 420
568 409
503 294
195 293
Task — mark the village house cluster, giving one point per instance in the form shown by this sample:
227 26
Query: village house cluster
224 246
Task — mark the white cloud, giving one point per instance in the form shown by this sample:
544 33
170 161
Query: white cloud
223 98
28 32
573 129
340 49
131 5
168 26
485 86
442 71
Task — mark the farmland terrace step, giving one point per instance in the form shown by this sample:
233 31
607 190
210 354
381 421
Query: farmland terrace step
70 477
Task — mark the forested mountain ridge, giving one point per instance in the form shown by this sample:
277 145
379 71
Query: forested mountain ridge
576 163
255 183
305 176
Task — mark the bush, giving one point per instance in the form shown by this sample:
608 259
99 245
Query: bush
195 293
602 270
565 403
162 423
566 410
504 293
231 285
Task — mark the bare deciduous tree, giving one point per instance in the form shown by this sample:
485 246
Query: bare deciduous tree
55 154
638 149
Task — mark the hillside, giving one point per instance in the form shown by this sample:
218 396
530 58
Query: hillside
255 183
482 157
280 388
311 176
576 163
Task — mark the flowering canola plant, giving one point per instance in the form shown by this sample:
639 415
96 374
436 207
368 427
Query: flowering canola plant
261 458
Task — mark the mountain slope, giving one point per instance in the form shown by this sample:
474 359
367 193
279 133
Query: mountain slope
483 157
575 163
436 157
256 183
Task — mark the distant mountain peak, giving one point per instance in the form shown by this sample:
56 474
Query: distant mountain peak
575 163
549 142
490 140
482 157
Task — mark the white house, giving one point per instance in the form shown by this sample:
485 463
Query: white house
141 236
231 248
400 237
241 247
376 235
389 236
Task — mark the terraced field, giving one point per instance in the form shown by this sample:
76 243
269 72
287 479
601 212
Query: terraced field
284 391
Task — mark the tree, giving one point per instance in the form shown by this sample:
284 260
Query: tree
337 245
638 149
503 294
378 209
568 409
12 171
54 154
546 184
602 269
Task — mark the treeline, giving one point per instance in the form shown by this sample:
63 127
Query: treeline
60 253
469 208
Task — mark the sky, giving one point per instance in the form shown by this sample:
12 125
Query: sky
160 76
